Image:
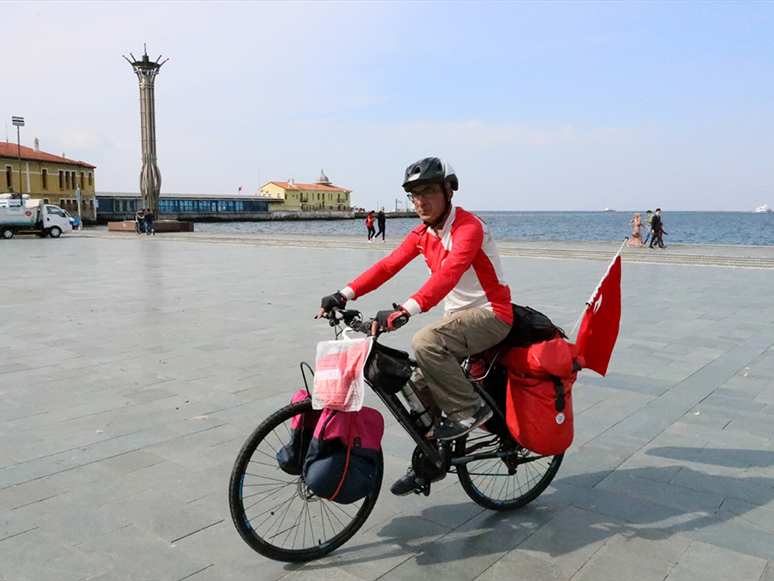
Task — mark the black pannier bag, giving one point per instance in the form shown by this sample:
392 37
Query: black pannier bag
530 327
292 455
387 369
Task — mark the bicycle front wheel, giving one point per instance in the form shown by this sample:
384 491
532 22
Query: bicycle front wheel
275 512
507 482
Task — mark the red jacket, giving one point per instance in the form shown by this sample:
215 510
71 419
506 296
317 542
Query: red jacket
464 263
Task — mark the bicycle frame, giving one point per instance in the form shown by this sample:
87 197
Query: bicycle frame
404 416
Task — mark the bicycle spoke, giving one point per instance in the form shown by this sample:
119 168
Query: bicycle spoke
272 510
511 480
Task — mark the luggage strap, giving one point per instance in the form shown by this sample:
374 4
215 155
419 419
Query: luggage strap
559 388
343 476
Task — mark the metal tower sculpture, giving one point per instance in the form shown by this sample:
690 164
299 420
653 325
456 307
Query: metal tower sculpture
150 176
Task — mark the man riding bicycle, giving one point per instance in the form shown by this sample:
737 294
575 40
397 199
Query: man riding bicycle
466 272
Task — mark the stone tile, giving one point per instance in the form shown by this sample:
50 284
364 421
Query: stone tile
11 524
570 539
751 489
703 561
524 566
131 461
613 563
221 545
28 493
638 485
70 517
469 550
768 573
214 356
37 555
132 554
756 516
163 515
95 484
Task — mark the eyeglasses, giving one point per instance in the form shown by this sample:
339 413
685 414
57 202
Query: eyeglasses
423 195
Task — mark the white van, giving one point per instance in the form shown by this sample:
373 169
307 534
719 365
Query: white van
32 216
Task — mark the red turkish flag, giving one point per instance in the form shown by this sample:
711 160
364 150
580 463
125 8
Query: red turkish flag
599 328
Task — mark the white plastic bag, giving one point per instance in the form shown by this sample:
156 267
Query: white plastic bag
338 376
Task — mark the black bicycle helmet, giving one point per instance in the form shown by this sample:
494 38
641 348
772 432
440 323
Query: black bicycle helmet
427 170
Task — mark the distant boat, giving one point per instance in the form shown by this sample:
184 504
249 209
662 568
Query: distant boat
611 210
764 209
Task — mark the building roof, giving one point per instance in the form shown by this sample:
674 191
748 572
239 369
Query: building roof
312 187
323 180
12 150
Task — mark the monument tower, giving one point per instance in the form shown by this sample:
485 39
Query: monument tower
150 176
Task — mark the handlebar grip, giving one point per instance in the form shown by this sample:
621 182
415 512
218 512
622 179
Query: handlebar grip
362 327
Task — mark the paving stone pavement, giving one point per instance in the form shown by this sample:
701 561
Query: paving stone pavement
133 368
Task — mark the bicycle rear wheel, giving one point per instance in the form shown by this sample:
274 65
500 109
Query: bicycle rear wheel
275 512
507 482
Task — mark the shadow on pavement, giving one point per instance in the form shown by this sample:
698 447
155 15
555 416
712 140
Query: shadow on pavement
630 511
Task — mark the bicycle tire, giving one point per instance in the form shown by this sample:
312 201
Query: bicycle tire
507 483
272 521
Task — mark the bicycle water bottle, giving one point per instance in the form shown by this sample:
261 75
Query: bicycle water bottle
418 405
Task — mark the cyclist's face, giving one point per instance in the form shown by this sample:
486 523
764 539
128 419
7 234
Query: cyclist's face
429 202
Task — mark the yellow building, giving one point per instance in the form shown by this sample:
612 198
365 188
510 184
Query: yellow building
53 178
322 195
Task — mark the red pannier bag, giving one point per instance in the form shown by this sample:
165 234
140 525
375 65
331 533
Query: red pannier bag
539 399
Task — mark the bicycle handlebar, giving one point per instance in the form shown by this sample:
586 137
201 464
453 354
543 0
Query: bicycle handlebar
351 318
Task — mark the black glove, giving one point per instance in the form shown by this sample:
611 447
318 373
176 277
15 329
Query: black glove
393 319
336 300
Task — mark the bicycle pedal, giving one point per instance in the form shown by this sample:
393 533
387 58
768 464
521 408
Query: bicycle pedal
423 490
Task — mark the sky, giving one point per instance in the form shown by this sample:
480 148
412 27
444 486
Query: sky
537 105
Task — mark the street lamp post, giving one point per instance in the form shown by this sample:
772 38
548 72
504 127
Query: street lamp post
19 122
78 197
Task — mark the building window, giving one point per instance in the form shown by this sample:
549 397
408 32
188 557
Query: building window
83 183
61 179
89 178
44 178
8 176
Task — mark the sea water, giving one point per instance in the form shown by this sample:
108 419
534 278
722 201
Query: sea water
681 227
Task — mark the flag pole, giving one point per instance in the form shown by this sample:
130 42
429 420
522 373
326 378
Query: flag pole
591 298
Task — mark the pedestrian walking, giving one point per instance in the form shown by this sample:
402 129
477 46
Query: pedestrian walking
370 225
648 230
381 220
657 227
636 239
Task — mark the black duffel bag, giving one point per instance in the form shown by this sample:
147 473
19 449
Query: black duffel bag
530 327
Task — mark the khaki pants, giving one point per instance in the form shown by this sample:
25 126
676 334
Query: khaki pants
439 348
